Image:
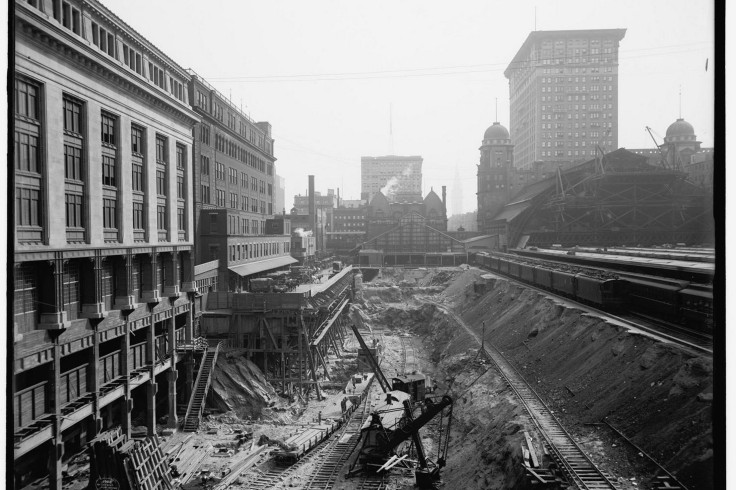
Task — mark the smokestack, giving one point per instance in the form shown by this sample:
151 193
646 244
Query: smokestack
444 196
312 214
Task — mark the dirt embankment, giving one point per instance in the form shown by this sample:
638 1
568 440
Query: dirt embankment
587 370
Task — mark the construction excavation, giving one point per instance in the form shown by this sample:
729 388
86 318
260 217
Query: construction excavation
447 377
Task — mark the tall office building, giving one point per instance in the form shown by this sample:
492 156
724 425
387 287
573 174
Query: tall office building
563 88
398 177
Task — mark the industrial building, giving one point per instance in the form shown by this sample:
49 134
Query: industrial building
615 199
563 90
397 177
104 232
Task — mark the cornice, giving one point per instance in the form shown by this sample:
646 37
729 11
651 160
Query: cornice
68 46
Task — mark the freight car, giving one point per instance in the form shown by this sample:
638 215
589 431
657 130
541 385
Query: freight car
674 300
602 292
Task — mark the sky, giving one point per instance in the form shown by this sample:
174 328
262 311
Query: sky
339 80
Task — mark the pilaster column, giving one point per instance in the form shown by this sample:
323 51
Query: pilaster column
124 283
149 273
93 304
151 386
171 266
56 451
127 402
188 284
55 317
173 374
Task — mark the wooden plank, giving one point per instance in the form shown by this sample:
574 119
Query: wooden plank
532 451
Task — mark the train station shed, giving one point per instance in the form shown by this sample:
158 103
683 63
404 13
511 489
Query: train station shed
615 199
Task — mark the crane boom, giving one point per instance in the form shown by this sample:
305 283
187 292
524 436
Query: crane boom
412 427
385 386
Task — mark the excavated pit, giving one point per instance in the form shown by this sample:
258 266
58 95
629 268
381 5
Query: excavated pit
587 370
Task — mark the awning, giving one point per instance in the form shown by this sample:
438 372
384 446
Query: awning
262 265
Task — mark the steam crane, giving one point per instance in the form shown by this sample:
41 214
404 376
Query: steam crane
392 424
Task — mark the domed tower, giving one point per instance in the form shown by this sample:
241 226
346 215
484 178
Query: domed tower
680 143
496 162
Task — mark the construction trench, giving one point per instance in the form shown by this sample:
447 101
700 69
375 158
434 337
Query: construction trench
625 397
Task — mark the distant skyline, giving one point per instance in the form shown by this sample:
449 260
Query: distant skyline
327 75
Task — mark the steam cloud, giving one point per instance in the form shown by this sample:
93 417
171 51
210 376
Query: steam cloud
393 183
302 233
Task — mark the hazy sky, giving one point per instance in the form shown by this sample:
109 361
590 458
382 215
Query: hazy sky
326 73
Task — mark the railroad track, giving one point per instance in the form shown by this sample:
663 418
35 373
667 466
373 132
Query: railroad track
337 451
332 452
570 457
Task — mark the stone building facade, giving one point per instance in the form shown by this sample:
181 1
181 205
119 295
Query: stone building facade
103 233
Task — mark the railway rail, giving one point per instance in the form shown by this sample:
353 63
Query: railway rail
330 454
570 457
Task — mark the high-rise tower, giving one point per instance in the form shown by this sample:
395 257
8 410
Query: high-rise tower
563 88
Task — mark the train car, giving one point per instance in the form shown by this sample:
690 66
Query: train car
515 269
563 283
543 277
527 273
696 306
655 296
503 265
607 294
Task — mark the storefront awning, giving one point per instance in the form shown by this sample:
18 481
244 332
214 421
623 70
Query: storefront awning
262 265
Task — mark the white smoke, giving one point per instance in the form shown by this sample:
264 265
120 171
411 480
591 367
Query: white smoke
302 233
393 183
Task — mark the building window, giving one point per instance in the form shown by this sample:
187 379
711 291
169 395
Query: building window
108 129
26 152
136 140
74 214
220 198
72 162
26 99
181 219
204 134
180 157
204 165
205 194
108 213
161 217
161 182
137 176
108 170
139 218
161 153
180 187
220 171
27 208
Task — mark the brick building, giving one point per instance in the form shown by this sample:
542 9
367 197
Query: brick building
234 176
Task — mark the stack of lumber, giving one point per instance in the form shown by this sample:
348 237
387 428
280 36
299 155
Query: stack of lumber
133 464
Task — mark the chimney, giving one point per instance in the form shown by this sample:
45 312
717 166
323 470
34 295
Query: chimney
444 196
312 214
